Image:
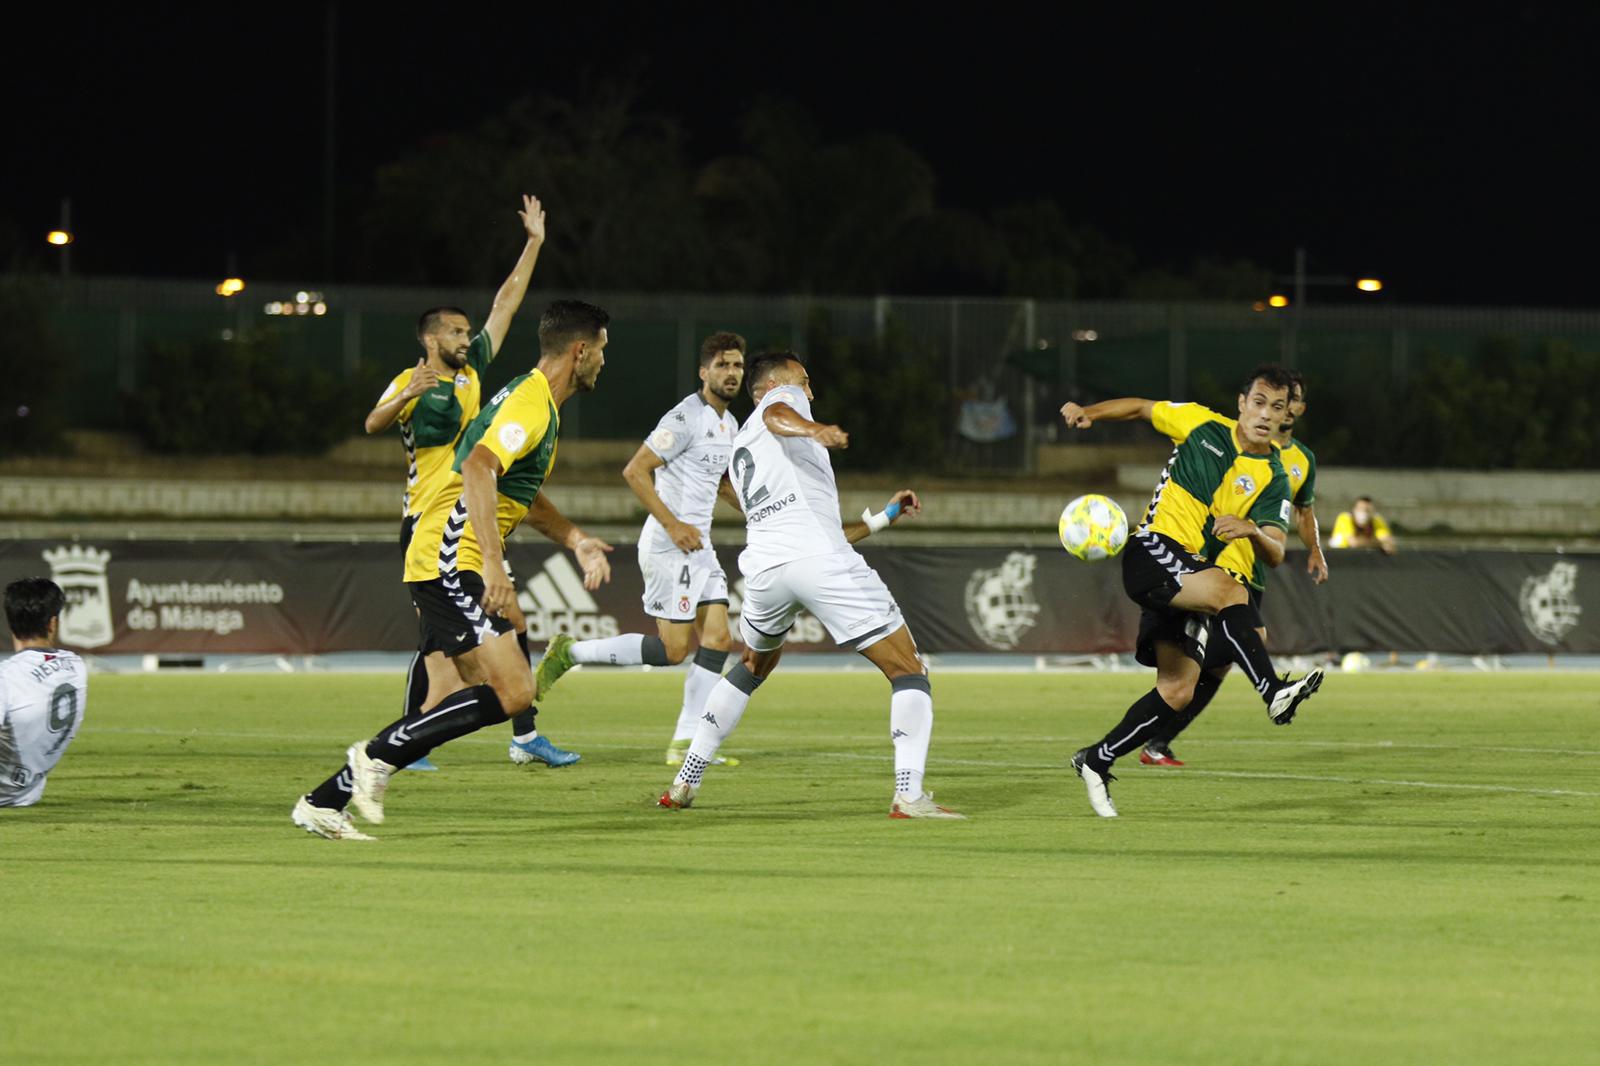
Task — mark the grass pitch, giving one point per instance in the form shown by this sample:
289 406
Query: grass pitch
1406 875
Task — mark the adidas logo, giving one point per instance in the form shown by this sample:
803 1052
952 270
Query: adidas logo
555 601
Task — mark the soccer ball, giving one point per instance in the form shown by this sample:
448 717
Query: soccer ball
1093 527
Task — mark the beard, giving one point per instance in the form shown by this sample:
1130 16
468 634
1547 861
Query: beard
454 360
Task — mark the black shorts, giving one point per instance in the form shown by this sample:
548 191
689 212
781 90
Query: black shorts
450 614
1152 568
1190 631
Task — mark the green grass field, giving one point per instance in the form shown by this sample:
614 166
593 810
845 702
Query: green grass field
1406 875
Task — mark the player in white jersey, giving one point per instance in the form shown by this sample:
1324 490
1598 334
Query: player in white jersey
677 474
798 557
43 690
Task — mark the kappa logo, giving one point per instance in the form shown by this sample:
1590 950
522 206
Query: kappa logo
1001 607
709 717
657 605
1244 485
1550 606
898 733
555 601
81 573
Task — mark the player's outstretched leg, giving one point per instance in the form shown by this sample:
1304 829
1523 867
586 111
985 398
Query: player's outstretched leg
1238 627
630 649
1150 714
527 746
704 673
724 707
911 729
1158 749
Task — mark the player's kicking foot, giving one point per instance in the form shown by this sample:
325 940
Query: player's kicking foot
557 660
908 806
679 794
326 822
679 748
1288 699
370 778
1157 753
539 749
1097 784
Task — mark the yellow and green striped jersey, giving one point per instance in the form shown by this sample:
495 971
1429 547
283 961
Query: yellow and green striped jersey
1208 477
1300 464
520 426
431 424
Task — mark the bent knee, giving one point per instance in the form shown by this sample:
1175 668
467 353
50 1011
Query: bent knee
722 641
514 696
1175 694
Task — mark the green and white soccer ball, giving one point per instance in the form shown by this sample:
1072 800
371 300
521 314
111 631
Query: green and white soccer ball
1093 527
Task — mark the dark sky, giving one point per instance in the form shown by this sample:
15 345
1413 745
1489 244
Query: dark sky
1449 154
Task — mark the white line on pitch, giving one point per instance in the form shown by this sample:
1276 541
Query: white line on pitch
1329 779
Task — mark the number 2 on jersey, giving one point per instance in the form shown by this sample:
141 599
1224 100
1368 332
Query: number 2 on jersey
743 458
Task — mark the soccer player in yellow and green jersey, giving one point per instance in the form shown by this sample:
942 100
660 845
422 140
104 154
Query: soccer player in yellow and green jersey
1240 559
1223 483
455 567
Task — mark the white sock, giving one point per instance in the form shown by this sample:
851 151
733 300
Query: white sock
525 738
696 687
626 650
911 727
723 708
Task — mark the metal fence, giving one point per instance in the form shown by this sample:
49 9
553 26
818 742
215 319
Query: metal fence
1009 364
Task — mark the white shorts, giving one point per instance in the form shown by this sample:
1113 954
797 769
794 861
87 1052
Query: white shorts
846 595
678 584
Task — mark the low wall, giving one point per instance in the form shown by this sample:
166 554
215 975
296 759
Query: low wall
304 598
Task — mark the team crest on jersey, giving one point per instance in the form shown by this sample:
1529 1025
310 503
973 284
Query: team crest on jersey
683 605
1550 606
1001 607
1244 485
1296 473
81 573
662 439
462 381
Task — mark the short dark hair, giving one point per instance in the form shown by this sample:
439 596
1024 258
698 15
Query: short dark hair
1297 384
30 604
1276 377
565 321
718 343
1363 499
433 316
763 366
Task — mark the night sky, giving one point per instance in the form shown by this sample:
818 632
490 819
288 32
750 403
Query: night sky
1448 154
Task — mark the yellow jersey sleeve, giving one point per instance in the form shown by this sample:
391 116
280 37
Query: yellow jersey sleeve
1178 420
518 426
1344 527
401 380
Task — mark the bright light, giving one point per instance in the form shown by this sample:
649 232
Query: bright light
1278 300
230 287
301 297
1369 285
1259 305
319 308
58 237
273 308
1085 335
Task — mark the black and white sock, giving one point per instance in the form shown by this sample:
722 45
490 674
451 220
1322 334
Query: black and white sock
1204 690
1238 625
1148 716
335 792
416 685
630 649
467 711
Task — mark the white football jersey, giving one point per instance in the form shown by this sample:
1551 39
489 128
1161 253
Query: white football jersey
42 697
791 504
694 443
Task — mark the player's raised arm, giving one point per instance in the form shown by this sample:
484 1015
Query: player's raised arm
590 551
903 504
785 421
1125 410
515 287
389 406
639 474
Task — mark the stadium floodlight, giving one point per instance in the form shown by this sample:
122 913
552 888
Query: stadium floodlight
58 237
1369 284
1278 299
230 286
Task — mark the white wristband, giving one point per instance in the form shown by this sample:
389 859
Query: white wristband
875 522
